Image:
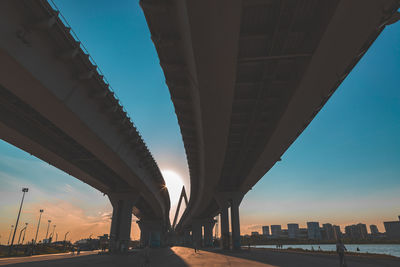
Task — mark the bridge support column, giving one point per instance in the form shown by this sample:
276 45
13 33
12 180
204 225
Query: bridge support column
223 204
151 233
120 232
187 237
208 232
197 233
235 221
224 228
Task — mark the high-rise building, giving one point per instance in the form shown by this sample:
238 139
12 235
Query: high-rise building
265 230
314 231
337 232
392 229
276 231
356 231
303 233
329 232
293 230
362 229
374 230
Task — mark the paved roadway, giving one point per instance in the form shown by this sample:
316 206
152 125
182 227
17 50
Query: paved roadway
185 257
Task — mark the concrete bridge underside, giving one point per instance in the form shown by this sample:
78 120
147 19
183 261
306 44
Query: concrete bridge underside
55 105
246 78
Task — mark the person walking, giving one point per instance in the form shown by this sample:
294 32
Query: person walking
340 249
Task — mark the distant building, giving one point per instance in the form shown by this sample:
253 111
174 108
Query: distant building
276 231
329 233
293 230
337 232
284 234
374 230
356 231
392 229
255 233
314 231
362 228
265 230
303 233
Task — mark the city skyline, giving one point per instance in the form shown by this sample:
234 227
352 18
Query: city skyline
343 166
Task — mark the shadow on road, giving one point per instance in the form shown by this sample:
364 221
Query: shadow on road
157 257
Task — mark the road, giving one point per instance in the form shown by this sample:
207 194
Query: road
186 257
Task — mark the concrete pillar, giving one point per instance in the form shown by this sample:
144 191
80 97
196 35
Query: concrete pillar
152 233
187 237
144 235
224 228
208 232
235 221
197 233
223 204
120 232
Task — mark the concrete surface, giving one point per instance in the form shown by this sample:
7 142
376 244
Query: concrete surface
180 256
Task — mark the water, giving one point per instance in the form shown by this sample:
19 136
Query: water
392 249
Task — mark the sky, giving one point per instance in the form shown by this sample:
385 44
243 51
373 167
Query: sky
343 169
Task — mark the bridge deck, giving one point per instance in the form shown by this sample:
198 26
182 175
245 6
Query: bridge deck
180 256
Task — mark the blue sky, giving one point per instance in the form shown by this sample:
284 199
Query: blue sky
344 168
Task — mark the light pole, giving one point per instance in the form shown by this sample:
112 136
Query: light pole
8 242
52 234
65 237
37 230
24 190
23 238
20 233
48 225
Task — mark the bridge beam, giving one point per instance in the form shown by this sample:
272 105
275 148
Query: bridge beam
120 232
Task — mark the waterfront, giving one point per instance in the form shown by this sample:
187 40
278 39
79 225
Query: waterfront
388 249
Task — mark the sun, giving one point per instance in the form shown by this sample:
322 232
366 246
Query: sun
174 183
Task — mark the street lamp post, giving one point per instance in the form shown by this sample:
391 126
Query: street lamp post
9 236
20 233
52 234
23 238
37 230
65 237
24 190
48 225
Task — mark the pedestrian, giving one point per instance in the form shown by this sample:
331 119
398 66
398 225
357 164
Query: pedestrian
78 251
73 251
340 249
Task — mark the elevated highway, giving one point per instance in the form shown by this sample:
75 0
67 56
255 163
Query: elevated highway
57 106
246 78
